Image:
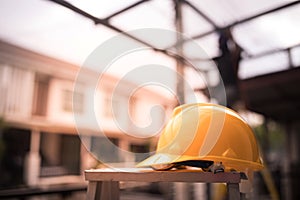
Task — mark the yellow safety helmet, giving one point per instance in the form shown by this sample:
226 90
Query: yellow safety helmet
202 134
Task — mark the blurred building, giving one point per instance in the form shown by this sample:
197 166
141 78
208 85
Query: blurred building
40 144
276 96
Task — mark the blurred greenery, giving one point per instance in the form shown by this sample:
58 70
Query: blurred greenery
270 134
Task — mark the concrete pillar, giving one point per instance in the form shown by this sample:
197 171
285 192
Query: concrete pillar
33 160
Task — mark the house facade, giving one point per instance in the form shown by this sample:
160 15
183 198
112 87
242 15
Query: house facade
55 123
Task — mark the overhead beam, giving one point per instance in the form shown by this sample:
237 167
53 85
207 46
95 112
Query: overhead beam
166 51
272 52
125 9
199 12
266 53
238 22
266 13
78 10
251 18
286 50
104 22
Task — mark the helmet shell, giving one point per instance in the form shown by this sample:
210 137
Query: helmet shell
207 132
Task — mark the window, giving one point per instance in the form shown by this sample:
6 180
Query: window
60 154
72 99
16 90
40 97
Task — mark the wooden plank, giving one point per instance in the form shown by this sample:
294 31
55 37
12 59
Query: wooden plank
109 190
148 175
233 191
91 190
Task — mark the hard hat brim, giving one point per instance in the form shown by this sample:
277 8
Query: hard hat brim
229 163
164 159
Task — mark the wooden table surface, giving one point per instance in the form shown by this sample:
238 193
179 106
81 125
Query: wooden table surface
104 183
149 175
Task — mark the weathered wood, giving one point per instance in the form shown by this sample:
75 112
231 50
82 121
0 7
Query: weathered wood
233 191
91 190
109 191
161 176
104 183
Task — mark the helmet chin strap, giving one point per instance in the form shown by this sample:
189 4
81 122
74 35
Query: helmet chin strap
163 167
217 167
203 164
